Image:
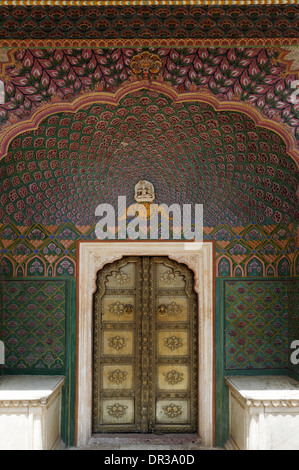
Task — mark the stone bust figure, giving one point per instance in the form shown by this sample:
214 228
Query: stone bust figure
144 191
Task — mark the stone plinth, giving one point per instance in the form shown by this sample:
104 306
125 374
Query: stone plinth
263 413
30 412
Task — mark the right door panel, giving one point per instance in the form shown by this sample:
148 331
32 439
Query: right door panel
174 363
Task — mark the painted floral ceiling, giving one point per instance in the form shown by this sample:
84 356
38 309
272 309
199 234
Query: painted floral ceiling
74 161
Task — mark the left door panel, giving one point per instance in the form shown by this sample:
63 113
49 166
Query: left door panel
116 371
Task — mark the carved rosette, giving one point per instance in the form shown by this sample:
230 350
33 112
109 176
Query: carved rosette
173 342
169 277
117 410
173 377
117 342
171 309
146 64
172 410
117 376
118 309
121 277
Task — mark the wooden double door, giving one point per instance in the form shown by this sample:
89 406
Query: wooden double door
145 376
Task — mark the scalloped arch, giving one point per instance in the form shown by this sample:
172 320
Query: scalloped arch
65 162
115 98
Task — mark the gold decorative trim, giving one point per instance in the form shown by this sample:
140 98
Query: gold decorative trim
107 3
274 42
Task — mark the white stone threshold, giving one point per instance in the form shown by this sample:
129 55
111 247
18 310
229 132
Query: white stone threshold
148 442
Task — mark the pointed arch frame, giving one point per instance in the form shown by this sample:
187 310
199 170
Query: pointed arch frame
199 257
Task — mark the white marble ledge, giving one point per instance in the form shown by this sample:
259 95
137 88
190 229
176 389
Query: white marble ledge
265 390
28 389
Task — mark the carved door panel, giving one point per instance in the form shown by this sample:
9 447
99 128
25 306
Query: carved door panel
117 336
145 347
173 379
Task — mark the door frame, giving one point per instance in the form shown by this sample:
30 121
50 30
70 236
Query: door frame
200 258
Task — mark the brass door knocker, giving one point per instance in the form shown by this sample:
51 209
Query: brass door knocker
128 310
162 311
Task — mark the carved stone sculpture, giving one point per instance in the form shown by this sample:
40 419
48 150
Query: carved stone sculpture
144 191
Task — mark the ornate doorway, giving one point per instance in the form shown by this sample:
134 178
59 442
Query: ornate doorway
145 350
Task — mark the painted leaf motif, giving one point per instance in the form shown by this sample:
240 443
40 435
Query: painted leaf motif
20 81
226 72
261 89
